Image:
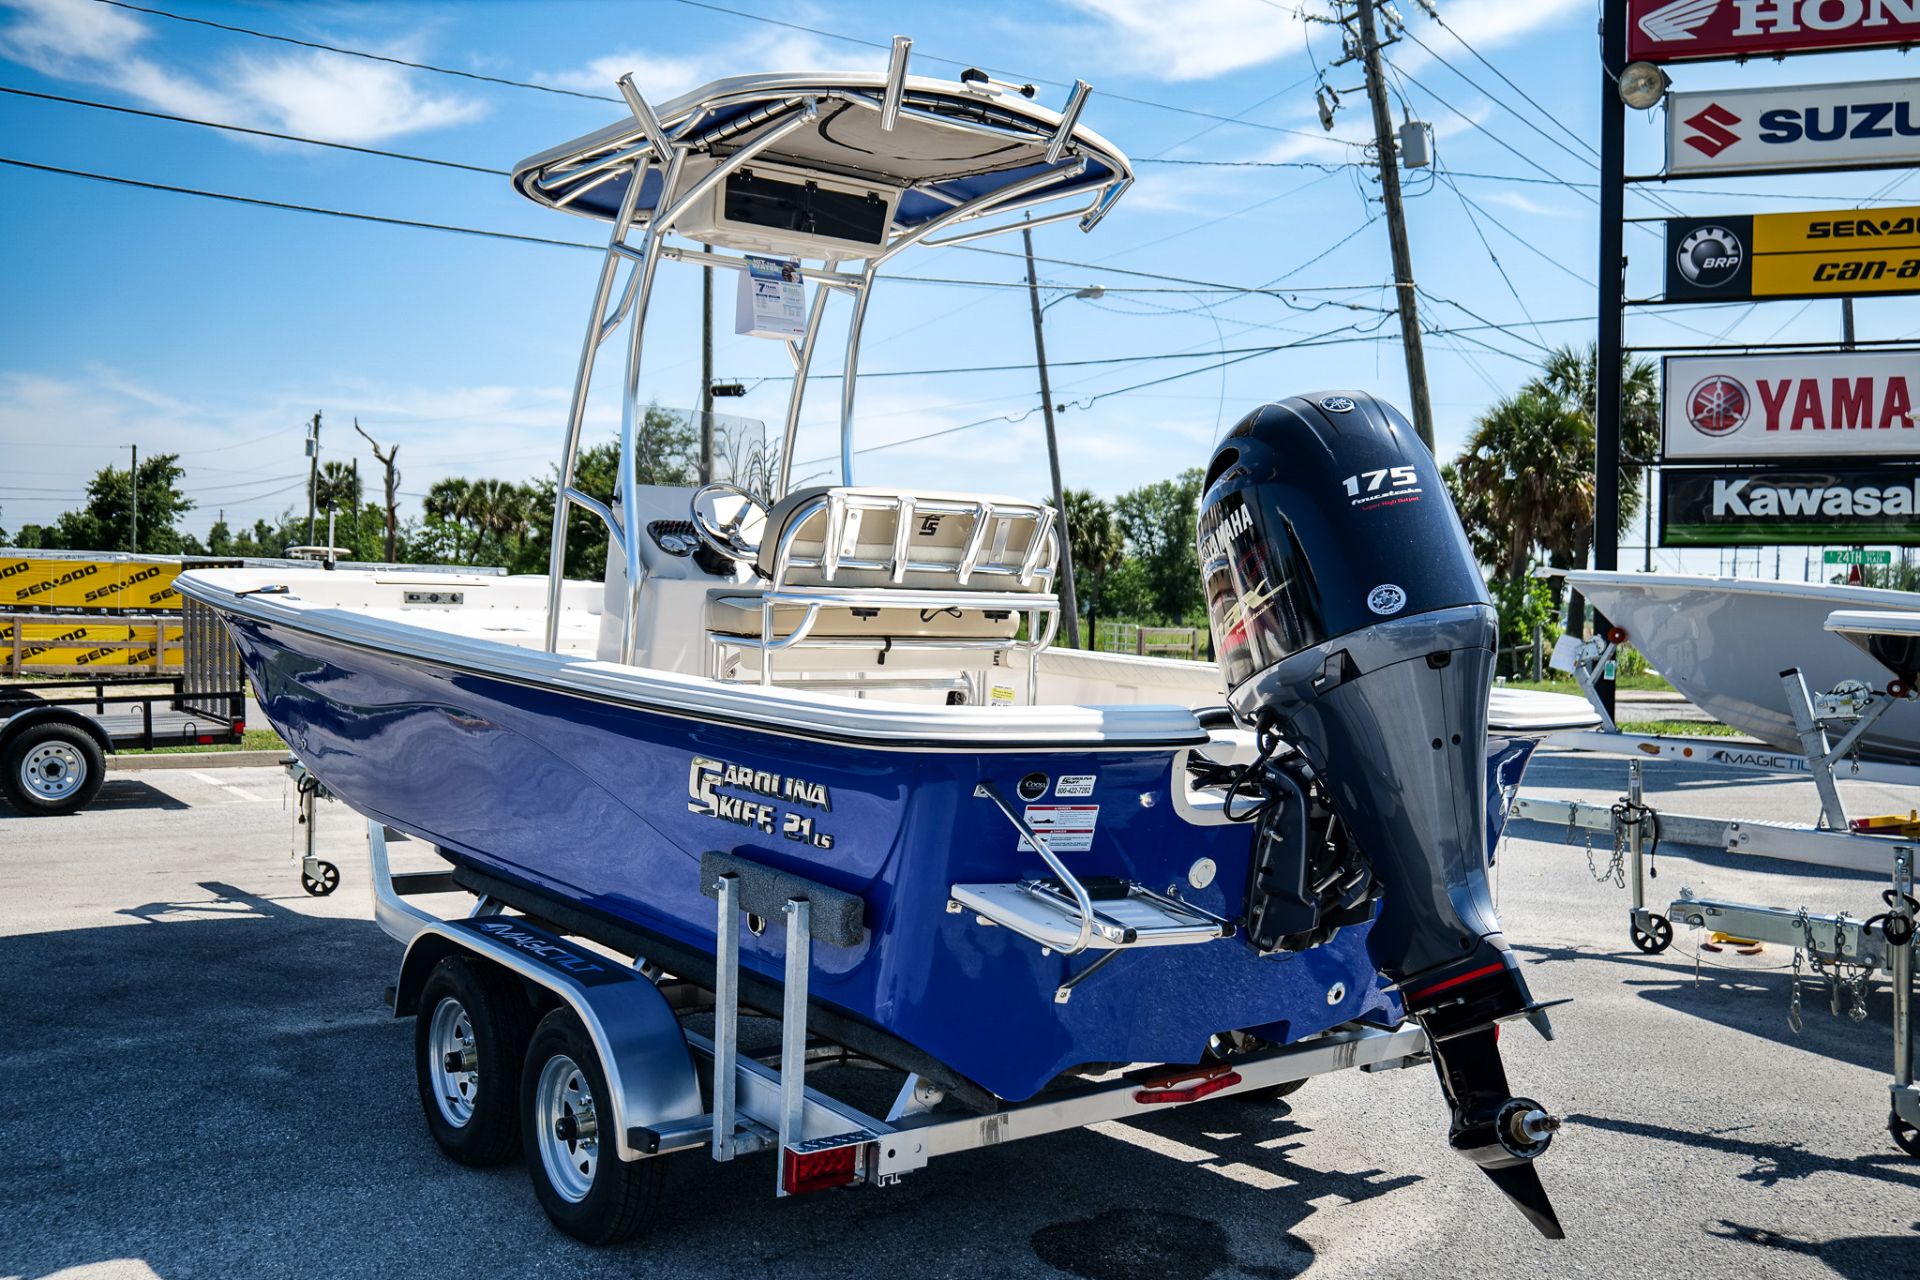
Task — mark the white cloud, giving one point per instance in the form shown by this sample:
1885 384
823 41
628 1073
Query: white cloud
1514 200
661 76
1196 40
313 93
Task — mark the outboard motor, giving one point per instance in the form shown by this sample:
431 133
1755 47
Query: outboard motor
1354 628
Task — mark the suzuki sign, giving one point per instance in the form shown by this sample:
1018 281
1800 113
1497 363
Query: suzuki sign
1830 126
1685 30
1830 405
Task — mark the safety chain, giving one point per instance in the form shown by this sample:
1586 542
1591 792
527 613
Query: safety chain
1846 982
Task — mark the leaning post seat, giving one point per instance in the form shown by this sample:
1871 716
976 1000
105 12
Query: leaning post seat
875 570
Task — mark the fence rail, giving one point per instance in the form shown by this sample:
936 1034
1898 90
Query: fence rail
1165 642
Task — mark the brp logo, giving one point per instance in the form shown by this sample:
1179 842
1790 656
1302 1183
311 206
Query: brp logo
1713 128
1718 405
1710 256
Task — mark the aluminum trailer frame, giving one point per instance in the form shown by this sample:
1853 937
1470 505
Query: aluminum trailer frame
658 1071
1836 945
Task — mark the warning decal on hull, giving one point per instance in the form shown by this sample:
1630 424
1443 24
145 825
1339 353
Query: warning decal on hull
1066 828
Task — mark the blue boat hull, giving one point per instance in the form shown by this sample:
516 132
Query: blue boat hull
609 806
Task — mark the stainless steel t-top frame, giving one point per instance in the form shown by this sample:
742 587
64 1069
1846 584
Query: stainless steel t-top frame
960 152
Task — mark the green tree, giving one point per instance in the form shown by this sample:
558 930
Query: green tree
1571 376
105 522
1157 523
1094 539
1526 482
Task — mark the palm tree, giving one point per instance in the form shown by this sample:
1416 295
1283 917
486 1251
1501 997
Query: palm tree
1572 376
1093 539
1526 478
497 509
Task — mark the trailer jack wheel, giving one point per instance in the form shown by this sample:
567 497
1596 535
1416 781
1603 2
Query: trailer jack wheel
1654 939
1905 1136
323 880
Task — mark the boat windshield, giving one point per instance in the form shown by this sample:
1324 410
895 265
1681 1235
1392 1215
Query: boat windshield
673 444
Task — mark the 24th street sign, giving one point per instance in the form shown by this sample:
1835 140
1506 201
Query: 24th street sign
1829 405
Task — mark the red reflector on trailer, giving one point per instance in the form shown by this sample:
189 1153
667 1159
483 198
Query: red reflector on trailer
1191 1092
802 1171
205 739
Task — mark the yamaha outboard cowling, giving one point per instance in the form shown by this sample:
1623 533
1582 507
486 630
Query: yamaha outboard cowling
1353 626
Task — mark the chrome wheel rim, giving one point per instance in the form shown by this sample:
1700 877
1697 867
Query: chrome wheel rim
53 770
563 1096
451 1033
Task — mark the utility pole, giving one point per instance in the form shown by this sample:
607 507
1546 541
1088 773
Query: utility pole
1069 606
706 370
386 458
1846 323
1385 144
313 471
133 475
1611 310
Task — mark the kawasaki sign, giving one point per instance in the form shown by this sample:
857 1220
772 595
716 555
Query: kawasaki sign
1828 405
1685 30
1747 506
1858 124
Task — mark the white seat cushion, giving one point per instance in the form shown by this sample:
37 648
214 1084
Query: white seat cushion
735 611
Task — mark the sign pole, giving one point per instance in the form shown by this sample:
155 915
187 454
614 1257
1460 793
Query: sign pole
1611 278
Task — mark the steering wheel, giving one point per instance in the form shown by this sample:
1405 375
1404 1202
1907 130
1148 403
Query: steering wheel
724 536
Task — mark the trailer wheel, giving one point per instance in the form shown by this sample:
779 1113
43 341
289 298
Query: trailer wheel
1272 1093
323 884
52 769
585 1188
469 1039
1904 1134
1653 943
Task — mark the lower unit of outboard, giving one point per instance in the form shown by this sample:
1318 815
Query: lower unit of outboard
1358 642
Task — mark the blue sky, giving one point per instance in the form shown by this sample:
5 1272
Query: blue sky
214 330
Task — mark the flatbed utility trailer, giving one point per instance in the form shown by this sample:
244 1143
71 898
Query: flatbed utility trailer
55 735
536 1038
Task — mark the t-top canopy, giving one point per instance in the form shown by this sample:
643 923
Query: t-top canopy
949 145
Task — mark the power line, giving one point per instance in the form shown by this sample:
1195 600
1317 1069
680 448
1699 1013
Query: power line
293 208
258 133
356 53
1591 158
1526 159
1011 75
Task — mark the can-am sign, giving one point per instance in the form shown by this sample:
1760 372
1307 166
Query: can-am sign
1747 506
1793 255
1683 30
1828 405
1817 126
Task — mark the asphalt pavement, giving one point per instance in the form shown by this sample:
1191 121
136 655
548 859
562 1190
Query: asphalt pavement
198 1078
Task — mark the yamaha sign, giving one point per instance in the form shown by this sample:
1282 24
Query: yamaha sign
1827 126
1791 407
1686 30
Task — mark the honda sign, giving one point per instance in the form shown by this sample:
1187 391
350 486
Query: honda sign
1822 126
1828 405
1686 30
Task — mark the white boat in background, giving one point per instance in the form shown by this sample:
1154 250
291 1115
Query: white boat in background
1724 642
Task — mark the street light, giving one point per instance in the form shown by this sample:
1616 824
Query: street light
1069 602
1642 85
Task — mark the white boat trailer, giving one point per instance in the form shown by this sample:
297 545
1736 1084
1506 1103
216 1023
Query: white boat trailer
1845 950
670 1088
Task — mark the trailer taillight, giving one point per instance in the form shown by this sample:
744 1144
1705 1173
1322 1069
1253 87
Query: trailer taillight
1166 1088
205 739
815 1166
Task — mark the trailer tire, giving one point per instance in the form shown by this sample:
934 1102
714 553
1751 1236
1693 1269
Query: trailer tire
586 1189
1272 1093
471 1008
49 769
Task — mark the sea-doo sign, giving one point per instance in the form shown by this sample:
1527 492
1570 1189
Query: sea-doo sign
1686 30
1793 255
1830 405
1746 506
1821 126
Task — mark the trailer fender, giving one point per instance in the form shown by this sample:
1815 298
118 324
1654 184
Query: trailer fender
13 724
642 1049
